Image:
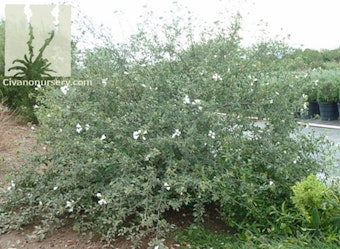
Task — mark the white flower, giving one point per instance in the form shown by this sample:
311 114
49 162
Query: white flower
64 89
212 134
271 101
79 128
305 105
35 106
304 96
176 134
271 183
167 186
277 93
139 134
104 82
87 127
216 77
60 130
40 203
126 73
156 247
12 186
196 101
48 115
55 188
38 87
69 205
99 195
32 128
102 202
103 137
186 99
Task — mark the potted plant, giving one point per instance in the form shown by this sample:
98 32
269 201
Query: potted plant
327 96
311 91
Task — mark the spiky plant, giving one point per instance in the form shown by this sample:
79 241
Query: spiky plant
34 68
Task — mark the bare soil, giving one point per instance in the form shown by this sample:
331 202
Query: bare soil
18 142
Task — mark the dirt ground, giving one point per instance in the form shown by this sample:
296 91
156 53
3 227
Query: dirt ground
17 140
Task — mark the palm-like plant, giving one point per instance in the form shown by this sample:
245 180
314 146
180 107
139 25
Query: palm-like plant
37 68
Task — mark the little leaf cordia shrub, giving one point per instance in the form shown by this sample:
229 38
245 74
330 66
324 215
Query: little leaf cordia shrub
171 128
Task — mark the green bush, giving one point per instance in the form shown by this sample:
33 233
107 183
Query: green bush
328 85
319 204
171 128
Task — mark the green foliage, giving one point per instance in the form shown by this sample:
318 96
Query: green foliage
328 85
169 127
310 88
309 194
199 237
319 204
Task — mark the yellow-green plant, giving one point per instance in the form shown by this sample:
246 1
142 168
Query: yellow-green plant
318 204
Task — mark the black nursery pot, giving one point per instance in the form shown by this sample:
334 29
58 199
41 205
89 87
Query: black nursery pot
328 111
313 109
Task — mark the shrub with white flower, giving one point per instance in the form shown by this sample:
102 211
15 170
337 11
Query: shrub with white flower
216 77
186 99
212 134
78 128
166 186
69 206
177 133
101 200
64 89
139 134
12 186
104 81
149 143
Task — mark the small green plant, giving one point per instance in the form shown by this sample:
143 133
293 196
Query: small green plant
319 204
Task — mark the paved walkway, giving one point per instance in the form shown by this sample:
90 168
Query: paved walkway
331 129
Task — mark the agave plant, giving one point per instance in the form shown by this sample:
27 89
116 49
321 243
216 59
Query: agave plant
37 68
